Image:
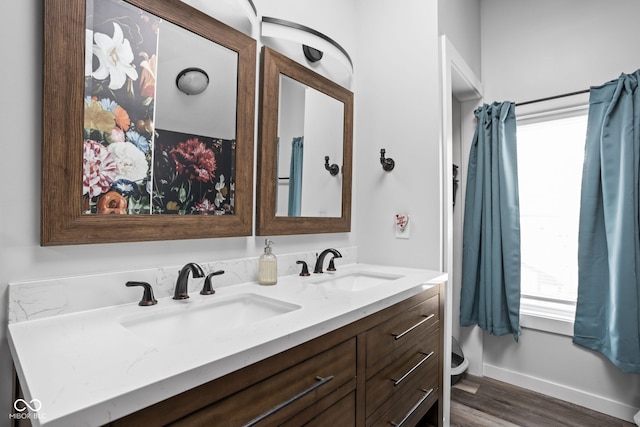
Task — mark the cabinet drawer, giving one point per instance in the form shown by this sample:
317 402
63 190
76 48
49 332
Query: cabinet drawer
417 368
409 410
393 333
279 397
340 413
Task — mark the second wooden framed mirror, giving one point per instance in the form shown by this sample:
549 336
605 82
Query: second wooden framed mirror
305 150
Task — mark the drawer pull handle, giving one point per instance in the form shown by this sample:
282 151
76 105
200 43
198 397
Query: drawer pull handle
426 318
427 393
320 383
417 365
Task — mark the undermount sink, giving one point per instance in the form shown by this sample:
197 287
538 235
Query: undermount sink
356 281
187 321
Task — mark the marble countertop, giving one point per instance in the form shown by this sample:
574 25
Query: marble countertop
86 368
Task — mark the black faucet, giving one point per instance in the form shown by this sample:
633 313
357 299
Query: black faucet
181 291
320 260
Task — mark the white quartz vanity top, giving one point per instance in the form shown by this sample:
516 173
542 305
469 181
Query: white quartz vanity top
87 369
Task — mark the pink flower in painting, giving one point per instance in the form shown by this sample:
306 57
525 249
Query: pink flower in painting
99 169
194 159
204 207
117 135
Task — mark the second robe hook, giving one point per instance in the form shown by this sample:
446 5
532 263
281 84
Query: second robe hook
387 163
333 169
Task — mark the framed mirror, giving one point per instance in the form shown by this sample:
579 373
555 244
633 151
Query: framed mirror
143 139
305 152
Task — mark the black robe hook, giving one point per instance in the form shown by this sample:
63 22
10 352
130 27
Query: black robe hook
387 163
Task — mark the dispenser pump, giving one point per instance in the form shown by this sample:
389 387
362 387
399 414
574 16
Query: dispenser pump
268 265
267 245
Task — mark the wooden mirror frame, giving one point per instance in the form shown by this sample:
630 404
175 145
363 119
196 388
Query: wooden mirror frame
62 220
275 64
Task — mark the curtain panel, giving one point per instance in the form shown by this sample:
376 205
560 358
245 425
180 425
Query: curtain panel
295 176
607 312
490 294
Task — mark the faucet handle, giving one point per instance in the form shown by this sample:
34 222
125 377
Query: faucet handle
207 289
147 295
305 268
332 266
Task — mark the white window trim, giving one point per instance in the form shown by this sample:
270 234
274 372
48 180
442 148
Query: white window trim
546 314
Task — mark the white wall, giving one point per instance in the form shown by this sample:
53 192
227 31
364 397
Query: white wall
21 257
537 49
398 108
290 125
323 136
460 21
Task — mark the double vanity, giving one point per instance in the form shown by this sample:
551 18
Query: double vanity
359 346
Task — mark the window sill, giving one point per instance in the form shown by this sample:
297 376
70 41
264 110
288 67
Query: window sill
554 317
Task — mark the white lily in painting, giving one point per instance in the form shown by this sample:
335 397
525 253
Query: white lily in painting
115 57
220 189
88 52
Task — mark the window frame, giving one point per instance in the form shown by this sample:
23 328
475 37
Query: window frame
545 313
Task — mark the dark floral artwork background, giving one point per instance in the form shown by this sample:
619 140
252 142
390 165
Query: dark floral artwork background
192 174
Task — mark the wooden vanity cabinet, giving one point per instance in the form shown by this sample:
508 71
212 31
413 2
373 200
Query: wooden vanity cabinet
403 365
385 368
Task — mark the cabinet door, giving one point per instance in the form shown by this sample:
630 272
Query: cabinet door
408 411
278 398
340 414
417 368
396 331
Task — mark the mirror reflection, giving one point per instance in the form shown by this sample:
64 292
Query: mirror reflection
310 129
150 148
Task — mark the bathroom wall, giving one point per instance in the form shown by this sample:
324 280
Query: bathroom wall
532 50
398 109
460 21
21 257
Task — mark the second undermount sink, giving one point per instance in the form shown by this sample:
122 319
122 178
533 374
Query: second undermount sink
185 321
356 281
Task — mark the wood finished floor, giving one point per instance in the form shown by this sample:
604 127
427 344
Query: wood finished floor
485 402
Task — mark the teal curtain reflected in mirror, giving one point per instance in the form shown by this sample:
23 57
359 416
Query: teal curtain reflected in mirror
490 294
295 176
608 308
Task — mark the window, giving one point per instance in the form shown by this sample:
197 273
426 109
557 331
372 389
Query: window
550 158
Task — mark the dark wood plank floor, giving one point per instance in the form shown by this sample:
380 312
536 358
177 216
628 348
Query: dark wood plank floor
485 402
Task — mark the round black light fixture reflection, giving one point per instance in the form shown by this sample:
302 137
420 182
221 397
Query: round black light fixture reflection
312 54
192 81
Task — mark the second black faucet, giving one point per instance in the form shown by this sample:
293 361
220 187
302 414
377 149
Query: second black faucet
320 259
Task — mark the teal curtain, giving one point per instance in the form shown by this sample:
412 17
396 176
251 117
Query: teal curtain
295 176
490 292
607 312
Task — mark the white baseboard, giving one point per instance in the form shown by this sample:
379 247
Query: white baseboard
579 397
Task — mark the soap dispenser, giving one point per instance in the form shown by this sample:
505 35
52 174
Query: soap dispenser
268 265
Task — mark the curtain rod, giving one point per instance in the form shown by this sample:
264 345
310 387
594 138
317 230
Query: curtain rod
564 95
